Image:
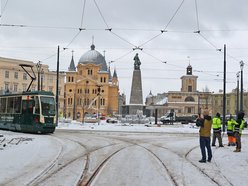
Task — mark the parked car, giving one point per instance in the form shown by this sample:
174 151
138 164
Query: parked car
111 120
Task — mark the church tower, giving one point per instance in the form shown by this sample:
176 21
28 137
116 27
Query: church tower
189 81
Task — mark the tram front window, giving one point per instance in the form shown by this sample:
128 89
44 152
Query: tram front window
47 106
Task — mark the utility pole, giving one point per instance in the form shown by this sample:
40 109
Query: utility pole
38 65
57 89
42 79
237 108
224 92
98 107
241 86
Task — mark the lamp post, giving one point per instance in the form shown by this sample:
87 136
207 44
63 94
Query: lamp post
241 85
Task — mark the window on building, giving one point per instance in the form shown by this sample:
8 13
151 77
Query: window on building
228 102
72 79
59 91
51 89
33 88
102 101
50 79
90 71
16 75
25 76
6 87
24 87
69 79
15 87
189 99
6 74
190 88
189 110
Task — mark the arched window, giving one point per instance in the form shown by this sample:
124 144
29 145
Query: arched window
189 99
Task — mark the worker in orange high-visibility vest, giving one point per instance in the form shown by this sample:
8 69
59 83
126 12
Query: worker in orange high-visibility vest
230 127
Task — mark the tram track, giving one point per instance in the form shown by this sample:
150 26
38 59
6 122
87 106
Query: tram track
207 174
200 169
170 178
96 153
43 178
186 157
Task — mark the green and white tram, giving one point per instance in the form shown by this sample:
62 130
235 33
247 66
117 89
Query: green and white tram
32 112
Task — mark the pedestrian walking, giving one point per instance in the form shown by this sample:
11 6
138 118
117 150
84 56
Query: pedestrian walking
239 126
230 131
205 125
217 130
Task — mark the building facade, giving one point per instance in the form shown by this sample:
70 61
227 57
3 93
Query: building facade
231 103
188 101
14 79
90 88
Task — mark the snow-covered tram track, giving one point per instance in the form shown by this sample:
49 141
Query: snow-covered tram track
82 159
175 177
40 173
224 181
169 175
87 177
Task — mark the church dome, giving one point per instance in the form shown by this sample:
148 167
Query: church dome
95 57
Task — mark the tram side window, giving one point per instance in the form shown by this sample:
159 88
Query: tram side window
27 106
2 105
37 105
17 104
10 105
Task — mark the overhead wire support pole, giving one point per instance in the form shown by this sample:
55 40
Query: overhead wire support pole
241 86
224 92
57 89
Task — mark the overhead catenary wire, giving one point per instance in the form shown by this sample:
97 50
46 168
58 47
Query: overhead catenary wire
164 30
197 15
3 8
101 14
82 18
125 40
122 38
117 59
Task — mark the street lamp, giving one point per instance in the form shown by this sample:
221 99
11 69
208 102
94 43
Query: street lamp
237 108
241 88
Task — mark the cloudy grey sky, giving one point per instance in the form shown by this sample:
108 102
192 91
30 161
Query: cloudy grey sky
32 30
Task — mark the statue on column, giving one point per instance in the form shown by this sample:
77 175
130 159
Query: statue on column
137 62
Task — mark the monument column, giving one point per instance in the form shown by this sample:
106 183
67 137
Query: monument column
136 97
136 89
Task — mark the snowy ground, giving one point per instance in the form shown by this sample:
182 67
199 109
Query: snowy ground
25 159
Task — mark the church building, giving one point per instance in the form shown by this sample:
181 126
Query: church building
90 88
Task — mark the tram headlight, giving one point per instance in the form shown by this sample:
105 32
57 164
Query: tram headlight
42 119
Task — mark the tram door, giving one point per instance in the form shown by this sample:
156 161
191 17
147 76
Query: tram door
27 111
